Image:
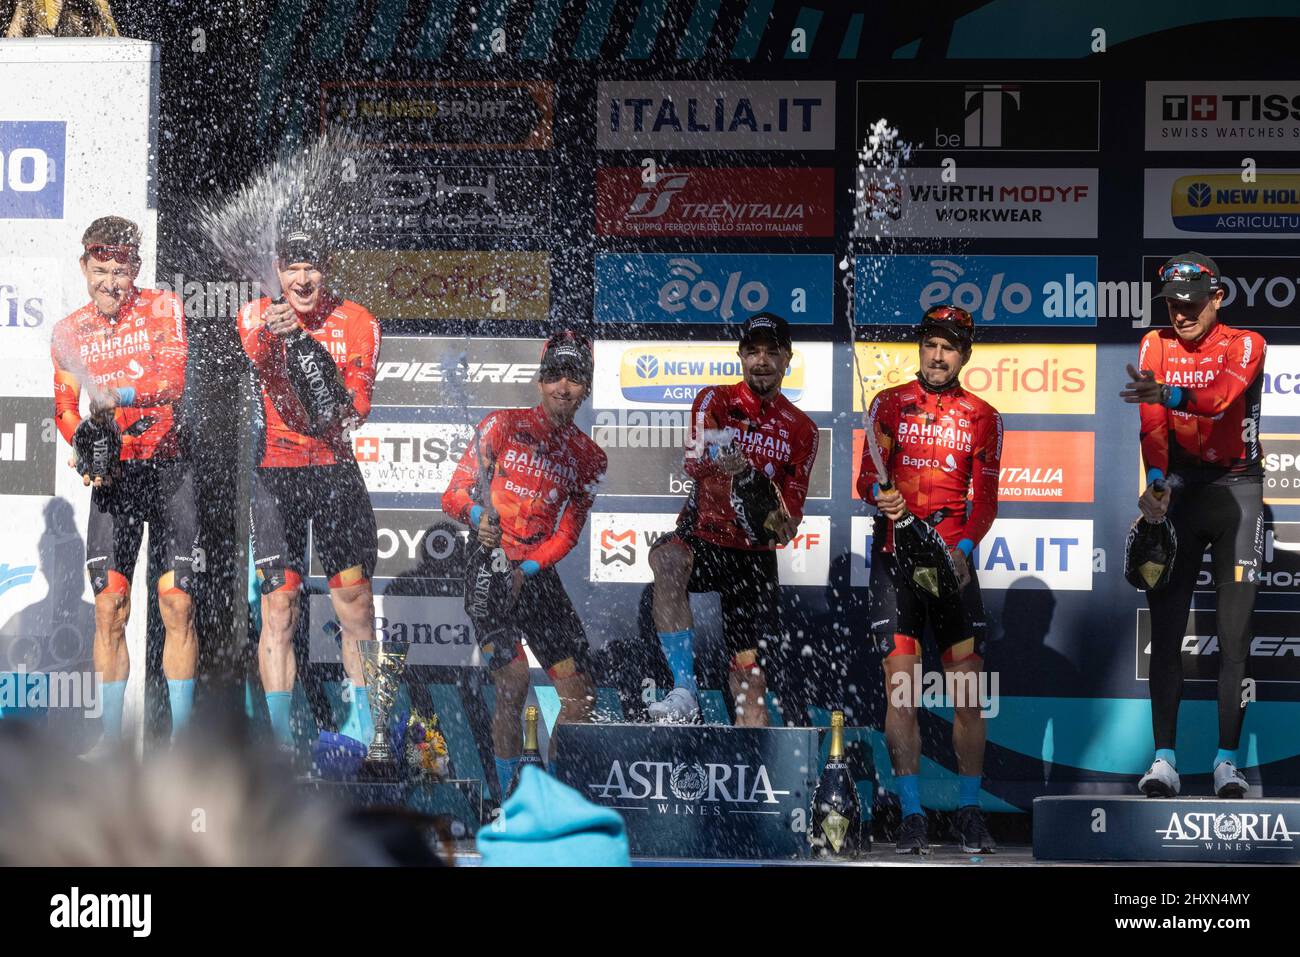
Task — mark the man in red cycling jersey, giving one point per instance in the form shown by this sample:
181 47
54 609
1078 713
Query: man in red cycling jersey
542 472
739 433
309 475
939 444
127 348
1199 385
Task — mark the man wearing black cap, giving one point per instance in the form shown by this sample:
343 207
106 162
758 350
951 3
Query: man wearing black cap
1199 386
541 473
751 453
308 472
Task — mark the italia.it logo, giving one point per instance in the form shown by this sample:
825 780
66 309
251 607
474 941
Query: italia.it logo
13 576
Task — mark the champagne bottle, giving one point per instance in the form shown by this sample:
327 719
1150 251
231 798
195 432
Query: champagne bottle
836 814
1150 549
531 753
923 556
315 380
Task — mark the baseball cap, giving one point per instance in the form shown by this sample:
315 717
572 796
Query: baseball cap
567 353
767 324
1191 277
300 246
952 322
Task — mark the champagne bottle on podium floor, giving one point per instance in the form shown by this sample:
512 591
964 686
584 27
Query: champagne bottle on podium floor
836 813
531 753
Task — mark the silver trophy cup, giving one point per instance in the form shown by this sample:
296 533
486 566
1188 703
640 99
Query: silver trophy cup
382 663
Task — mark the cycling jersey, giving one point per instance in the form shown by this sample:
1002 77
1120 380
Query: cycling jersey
1215 425
538 469
937 446
351 336
141 353
776 439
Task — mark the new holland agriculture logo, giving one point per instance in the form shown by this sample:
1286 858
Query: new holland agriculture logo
675 374
1228 832
1222 203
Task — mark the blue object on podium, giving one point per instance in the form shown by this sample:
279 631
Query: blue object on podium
1173 830
697 791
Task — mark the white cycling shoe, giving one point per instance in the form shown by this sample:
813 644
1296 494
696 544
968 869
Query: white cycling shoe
1229 782
1161 781
678 707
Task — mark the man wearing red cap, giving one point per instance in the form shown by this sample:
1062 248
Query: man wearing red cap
1199 384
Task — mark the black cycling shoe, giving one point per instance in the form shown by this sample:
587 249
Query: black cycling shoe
914 835
972 833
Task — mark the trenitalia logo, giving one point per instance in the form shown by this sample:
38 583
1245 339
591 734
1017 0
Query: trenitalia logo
675 375
1028 379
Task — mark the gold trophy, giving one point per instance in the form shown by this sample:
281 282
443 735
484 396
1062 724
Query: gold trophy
60 18
382 662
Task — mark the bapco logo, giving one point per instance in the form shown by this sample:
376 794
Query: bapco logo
647 367
1198 195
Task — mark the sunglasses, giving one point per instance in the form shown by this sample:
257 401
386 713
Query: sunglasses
103 252
1184 272
954 314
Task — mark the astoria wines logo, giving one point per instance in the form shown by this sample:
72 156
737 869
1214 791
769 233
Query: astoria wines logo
690 788
1228 832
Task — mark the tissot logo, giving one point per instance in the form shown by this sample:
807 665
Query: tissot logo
408 457
1223 115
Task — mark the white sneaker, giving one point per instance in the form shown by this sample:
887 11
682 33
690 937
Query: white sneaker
679 707
1229 782
1161 780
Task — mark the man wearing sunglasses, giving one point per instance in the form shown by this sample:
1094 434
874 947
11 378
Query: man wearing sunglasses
127 349
541 471
308 474
938 444
745 438
1199 384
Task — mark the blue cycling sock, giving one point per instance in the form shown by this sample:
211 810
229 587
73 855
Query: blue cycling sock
1167 754
181 694
679 648
968 790
506 773
279 704
909 793
359 724
1225 755
113 694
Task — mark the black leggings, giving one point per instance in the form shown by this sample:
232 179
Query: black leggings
1229 520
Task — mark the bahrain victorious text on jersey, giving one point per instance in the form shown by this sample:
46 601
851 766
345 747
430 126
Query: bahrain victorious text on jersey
777 439
1214 429
544 480
350 334
938 448
142 350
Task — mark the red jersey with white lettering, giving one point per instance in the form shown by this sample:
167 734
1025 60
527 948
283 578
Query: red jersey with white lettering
937 447
543 482
1215 428
351 336
142 348
777 439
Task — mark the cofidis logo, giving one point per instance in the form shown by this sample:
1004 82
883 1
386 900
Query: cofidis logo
31 169
1018 378
1222 203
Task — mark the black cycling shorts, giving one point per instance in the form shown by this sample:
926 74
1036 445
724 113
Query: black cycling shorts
746 581
896 609
158 492
333 500
543 616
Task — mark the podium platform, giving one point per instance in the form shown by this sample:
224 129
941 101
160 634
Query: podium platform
703 792
1167 830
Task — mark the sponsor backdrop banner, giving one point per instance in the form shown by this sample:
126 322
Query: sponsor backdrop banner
411 202
429 371
992 203
1219 203
448 285
1242 116
1259 291
437 628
